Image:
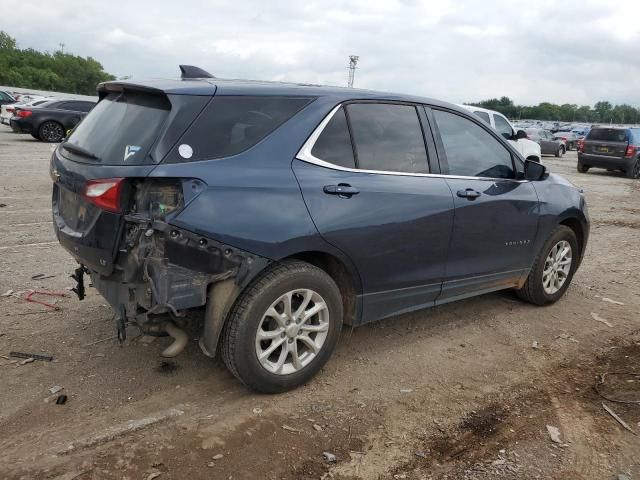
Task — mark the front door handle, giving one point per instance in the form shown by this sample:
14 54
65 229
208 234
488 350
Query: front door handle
342 189
469 194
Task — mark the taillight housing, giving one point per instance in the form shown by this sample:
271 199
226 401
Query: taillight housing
106 193
580 146
10 109
24 113
630 151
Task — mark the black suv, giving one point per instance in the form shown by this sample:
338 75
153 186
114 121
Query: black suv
611 148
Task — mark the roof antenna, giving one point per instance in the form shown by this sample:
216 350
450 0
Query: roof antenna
189 71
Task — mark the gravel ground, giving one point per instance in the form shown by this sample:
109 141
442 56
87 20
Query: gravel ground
463 391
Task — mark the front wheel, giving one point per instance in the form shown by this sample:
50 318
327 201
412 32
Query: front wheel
283 328
583 168
560 152
553 268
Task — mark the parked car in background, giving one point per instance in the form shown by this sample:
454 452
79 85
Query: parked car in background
8 110
611 148
569 138
50 121
266 215
528 149
6 98
549 145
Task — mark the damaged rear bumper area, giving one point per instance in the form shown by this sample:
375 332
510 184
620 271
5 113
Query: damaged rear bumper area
163 276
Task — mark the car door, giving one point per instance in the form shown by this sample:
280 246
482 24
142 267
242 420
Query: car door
496 215
365 178
547 144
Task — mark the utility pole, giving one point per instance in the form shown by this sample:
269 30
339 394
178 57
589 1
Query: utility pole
353 61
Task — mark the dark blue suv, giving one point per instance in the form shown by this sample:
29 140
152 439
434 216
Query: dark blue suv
264 216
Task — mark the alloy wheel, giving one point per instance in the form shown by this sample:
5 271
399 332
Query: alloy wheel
292 331
51 132
557 267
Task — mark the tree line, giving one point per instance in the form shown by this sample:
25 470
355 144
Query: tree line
57 71
601 112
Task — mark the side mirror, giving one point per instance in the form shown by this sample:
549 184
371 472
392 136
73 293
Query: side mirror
534 171
521 134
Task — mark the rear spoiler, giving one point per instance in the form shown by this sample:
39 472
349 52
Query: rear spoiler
106 88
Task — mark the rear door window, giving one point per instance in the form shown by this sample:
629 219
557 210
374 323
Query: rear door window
607 135
470 150
334 143
484 116
388 137
120 129
502 126
232 124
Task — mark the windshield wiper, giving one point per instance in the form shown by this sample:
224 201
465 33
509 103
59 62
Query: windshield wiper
79 151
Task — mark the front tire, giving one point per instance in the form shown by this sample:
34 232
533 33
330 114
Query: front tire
560 152
51 132
283 327
553 269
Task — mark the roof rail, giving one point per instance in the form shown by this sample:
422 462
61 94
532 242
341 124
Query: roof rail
189 71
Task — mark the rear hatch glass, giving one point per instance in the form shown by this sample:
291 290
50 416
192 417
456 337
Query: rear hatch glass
120 130
607 135
611 142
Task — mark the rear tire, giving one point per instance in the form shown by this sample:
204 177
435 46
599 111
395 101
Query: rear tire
583 168
634 171
549 271
278 351
51 132
560 152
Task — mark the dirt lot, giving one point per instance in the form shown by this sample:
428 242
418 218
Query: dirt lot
464 391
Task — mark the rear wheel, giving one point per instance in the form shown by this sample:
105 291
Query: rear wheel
634 170
283 328
560 151
583 168
51 132
553 268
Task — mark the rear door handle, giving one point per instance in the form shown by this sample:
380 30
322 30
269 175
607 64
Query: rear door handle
342 189
469 193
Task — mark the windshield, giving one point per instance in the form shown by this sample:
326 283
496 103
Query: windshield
120 129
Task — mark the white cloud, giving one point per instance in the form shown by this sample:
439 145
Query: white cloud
570 51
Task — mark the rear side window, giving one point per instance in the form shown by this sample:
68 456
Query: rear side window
334 143
484 116
232 124
388 137
120 129
470 150
502 126
607 135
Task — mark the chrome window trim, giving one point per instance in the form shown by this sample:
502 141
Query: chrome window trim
306 156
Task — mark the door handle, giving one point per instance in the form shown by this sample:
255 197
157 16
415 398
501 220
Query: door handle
342 189
469 193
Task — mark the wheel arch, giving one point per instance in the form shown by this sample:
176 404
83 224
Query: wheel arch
574 224
343 274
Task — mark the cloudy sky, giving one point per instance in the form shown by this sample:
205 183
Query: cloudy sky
564 51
